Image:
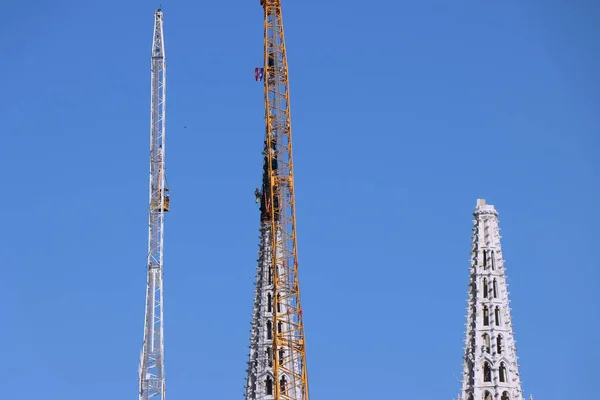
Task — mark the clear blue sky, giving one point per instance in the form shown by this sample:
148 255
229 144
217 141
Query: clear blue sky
404 113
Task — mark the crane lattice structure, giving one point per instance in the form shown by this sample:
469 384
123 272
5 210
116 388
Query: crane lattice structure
152 363
277 365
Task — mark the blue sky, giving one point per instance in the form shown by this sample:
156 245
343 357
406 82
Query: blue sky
404 113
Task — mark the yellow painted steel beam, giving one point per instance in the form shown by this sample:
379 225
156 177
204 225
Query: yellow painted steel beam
288 328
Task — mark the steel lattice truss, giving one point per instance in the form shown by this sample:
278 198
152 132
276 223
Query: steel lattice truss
151 369
278 330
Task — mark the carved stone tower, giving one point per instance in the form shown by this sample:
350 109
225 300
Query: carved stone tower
491 371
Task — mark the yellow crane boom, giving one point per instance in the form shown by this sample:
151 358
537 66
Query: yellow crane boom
289 352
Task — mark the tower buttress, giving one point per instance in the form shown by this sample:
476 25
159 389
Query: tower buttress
490 367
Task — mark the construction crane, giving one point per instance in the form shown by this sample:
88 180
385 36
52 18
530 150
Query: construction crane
152 361
277 359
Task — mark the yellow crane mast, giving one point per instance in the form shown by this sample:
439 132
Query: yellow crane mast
287 328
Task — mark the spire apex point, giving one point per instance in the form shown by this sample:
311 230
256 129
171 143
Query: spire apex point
483 207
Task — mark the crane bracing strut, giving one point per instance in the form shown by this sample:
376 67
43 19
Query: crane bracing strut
152 362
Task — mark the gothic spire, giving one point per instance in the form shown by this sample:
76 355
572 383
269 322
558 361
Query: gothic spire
490 368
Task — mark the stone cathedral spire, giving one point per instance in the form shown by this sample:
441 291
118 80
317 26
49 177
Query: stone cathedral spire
490 369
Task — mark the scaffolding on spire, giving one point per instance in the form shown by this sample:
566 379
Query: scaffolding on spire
152 362
277 360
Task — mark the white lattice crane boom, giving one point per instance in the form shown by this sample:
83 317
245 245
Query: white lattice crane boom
152 363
